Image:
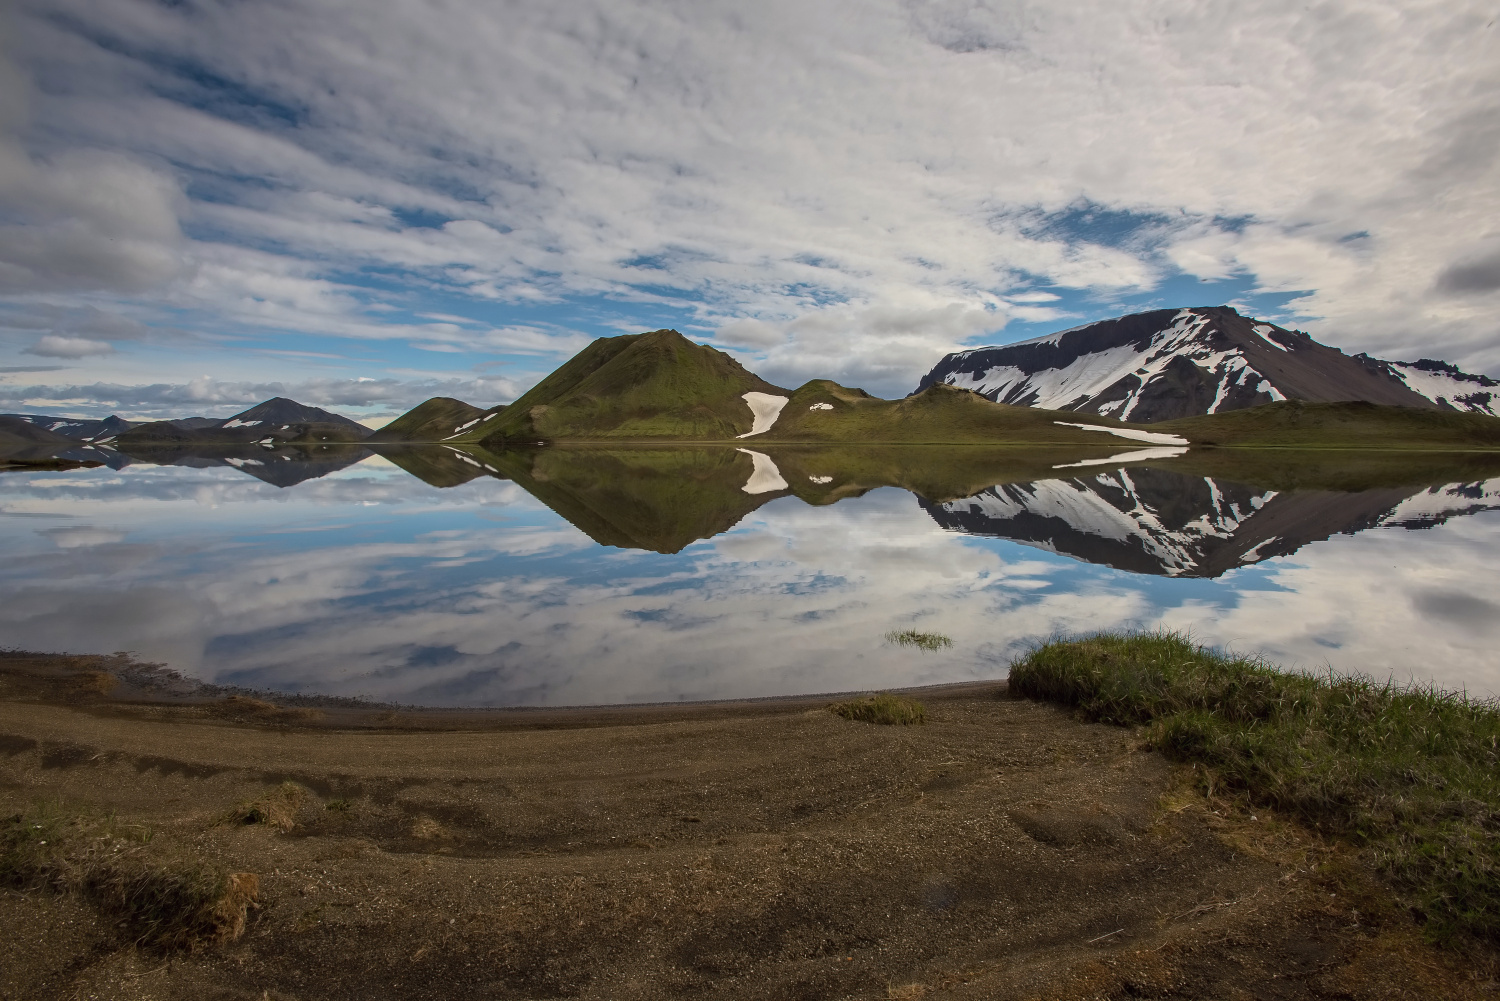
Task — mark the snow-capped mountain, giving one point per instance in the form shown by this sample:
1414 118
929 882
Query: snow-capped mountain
1182 362
1159 522
75 428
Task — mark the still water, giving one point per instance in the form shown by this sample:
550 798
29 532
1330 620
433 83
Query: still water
570 577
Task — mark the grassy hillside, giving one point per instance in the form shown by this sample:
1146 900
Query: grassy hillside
656 385
1294 424
1409 774
438 419
823 411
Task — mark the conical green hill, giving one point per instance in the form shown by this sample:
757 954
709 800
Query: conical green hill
658 385
438 419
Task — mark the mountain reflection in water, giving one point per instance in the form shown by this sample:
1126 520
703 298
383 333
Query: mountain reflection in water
624 573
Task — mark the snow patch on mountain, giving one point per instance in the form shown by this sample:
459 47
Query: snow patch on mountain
1447 386
765 408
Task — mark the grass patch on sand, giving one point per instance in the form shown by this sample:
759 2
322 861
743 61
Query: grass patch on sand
920 640
1410 774
884 708
277 809
159 904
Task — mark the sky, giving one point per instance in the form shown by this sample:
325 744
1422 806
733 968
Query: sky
364 203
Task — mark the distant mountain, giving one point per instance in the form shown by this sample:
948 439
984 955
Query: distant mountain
76 429
654 385
439 419
1158 522
275 421
279 410
1170 363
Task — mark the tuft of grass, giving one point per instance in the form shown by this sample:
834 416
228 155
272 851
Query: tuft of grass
338 805
920 640
244 709
1410 773
160 904
884 708
277 808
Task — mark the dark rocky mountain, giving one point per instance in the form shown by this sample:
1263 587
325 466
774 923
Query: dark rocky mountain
1161 522
280 410
273 422
1171 363
76 429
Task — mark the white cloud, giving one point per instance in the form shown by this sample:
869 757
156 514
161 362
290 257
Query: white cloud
800 175
58 346
211 397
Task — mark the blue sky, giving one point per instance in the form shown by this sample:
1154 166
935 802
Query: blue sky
363 204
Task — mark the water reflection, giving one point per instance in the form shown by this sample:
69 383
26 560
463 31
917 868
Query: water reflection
593 575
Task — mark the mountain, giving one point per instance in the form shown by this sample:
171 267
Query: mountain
1160 522
76 429
1171 363
279 410
661 387
275 421
439 419
654 385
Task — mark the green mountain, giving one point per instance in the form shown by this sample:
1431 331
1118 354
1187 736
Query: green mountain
658 385
439 419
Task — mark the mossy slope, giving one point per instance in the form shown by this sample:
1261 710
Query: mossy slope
656 385
824 411
435 420
1294 424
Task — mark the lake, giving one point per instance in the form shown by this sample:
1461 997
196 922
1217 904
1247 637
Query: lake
573 576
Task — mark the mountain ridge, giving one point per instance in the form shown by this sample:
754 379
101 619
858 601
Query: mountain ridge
1170 363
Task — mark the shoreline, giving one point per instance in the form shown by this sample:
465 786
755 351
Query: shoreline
77 680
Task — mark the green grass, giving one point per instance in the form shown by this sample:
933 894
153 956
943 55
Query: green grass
922 641
885 709
1411 774
1355 425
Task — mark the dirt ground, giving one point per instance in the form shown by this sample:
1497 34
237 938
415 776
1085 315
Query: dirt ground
771 850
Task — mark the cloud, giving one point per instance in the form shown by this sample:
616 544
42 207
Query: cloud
1478 273
321 169
213 398
58 346
78 219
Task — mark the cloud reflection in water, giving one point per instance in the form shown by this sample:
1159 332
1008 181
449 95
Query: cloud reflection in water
369 582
